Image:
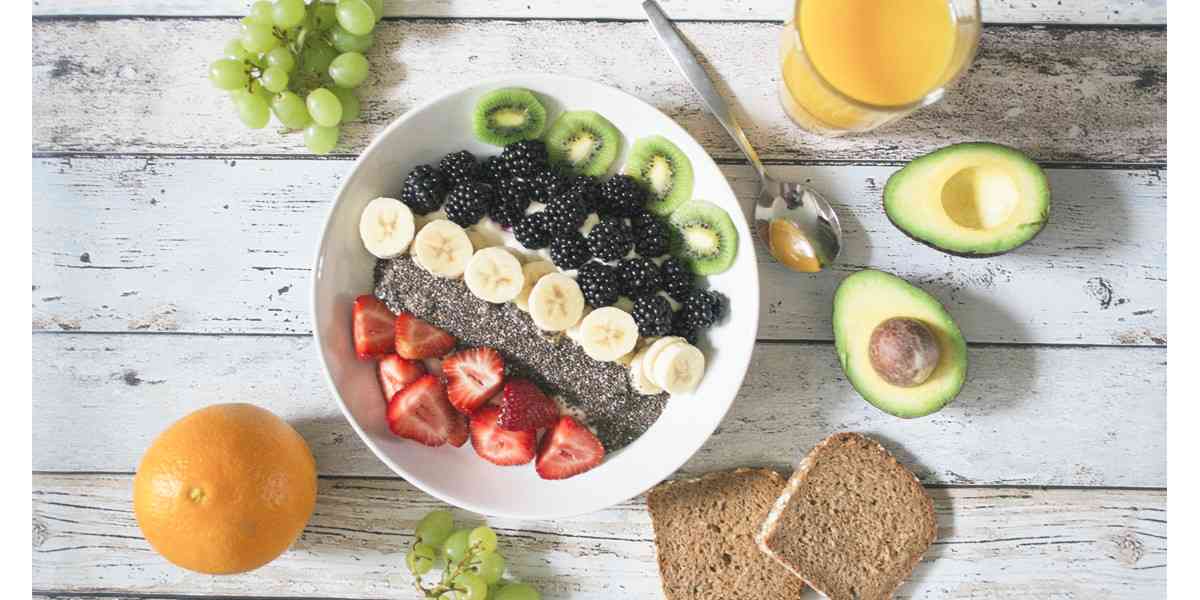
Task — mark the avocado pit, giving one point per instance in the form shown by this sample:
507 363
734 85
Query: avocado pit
904 352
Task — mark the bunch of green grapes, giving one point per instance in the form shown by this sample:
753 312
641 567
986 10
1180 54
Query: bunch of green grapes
302 62
472 567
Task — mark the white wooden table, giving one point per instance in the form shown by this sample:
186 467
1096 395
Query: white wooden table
171 253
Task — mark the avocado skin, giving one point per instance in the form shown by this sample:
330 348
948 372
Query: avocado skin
1045 220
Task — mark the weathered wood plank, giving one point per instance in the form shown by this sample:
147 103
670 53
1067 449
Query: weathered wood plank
993 543
1062 94
224 246
1111 12
1027 416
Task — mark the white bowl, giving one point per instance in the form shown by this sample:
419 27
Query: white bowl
343 270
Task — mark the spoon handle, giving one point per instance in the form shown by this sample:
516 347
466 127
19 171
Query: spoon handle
701 82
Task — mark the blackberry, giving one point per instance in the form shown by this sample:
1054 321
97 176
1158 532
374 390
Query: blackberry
598 282
653 315
588 189
570 250
512 198
676 278
652 237
565 214
701 309
622 196
610 239
460 167
682 328
424 189
468 202
641 218
638 277
549 183
492 170
533 231
524 158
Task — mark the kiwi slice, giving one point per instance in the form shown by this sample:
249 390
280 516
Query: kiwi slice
508 115
584 142
703 237
664 169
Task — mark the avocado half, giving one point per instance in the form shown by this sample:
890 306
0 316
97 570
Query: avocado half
868 298
976 199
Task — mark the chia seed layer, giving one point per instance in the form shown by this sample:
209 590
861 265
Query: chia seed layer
600 391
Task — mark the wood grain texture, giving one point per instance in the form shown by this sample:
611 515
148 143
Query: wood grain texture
225 246
1111 12
1027 416
993 543
1061 94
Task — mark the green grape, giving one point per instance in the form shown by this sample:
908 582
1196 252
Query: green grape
252 110
227 74
483 538
455 546
320 140
490 567
235 50
288 13
274 79
260 13
316 57
435 527
518 591
349 69
258 38
469 586
420 559
355 16
281 58
345 41
376 8
324 15
290 110
350 112
324 107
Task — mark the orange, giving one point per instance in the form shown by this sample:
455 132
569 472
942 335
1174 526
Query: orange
225 489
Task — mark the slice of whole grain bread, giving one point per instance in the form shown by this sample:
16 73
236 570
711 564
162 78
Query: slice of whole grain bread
704 537
852 521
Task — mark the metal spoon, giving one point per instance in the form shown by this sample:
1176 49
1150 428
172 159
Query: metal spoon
801 229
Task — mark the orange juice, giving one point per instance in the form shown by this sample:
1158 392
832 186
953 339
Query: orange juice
850 65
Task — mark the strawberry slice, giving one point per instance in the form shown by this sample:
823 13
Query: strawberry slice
496 445
395 373
417 339
459 431
421 413
525 407
374 327
472 377
567 450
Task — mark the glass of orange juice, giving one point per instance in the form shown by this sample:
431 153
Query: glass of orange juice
853 65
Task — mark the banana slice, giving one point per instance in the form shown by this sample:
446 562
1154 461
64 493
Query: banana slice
533 272
555 302
678 368
386 227
575 332
443 248
637 376
653 350
485 237
495 275
608 333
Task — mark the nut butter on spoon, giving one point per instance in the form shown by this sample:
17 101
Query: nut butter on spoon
799 227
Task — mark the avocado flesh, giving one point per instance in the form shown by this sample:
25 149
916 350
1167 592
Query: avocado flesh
868 298
975 199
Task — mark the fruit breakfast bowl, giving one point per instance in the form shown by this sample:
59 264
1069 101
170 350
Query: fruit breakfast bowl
344 270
